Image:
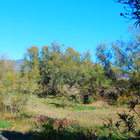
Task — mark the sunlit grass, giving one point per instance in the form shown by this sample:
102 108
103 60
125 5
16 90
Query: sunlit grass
84 108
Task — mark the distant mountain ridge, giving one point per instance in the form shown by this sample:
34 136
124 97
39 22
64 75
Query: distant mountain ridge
17 63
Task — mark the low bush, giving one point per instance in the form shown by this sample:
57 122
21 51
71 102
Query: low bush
65 130
15 105
128 125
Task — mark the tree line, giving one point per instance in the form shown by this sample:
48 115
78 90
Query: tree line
54 71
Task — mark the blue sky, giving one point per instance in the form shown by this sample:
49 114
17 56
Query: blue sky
81 24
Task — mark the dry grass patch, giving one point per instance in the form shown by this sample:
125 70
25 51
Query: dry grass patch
88 117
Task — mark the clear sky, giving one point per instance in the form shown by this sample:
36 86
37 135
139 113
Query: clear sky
81 24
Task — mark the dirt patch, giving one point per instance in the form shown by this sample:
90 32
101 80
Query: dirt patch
98 104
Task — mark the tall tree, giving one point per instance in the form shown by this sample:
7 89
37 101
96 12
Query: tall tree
30 69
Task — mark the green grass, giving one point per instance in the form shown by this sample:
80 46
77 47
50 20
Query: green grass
59 103
84 108
5 124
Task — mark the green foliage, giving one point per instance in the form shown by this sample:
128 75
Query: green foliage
65 130
48 71
30 74
8 77
123 69
48 131
14 105
122 66
126 127
72 131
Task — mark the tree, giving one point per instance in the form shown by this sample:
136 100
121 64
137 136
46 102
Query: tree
30 73
132 9
121 62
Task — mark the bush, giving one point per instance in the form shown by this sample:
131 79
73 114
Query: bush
15 104
2 105
127 126
67 103
65 130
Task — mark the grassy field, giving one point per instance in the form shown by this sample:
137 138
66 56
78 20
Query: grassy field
91 115
86 115
5 124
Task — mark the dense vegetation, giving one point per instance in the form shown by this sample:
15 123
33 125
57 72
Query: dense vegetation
74 78
53 71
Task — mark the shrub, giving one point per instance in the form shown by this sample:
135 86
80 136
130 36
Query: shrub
127 126
16 104
65 130
2 106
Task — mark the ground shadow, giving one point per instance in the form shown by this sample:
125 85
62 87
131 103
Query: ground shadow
64 135
56 105
14 135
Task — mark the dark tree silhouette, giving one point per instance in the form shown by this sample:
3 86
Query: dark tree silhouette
132 10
